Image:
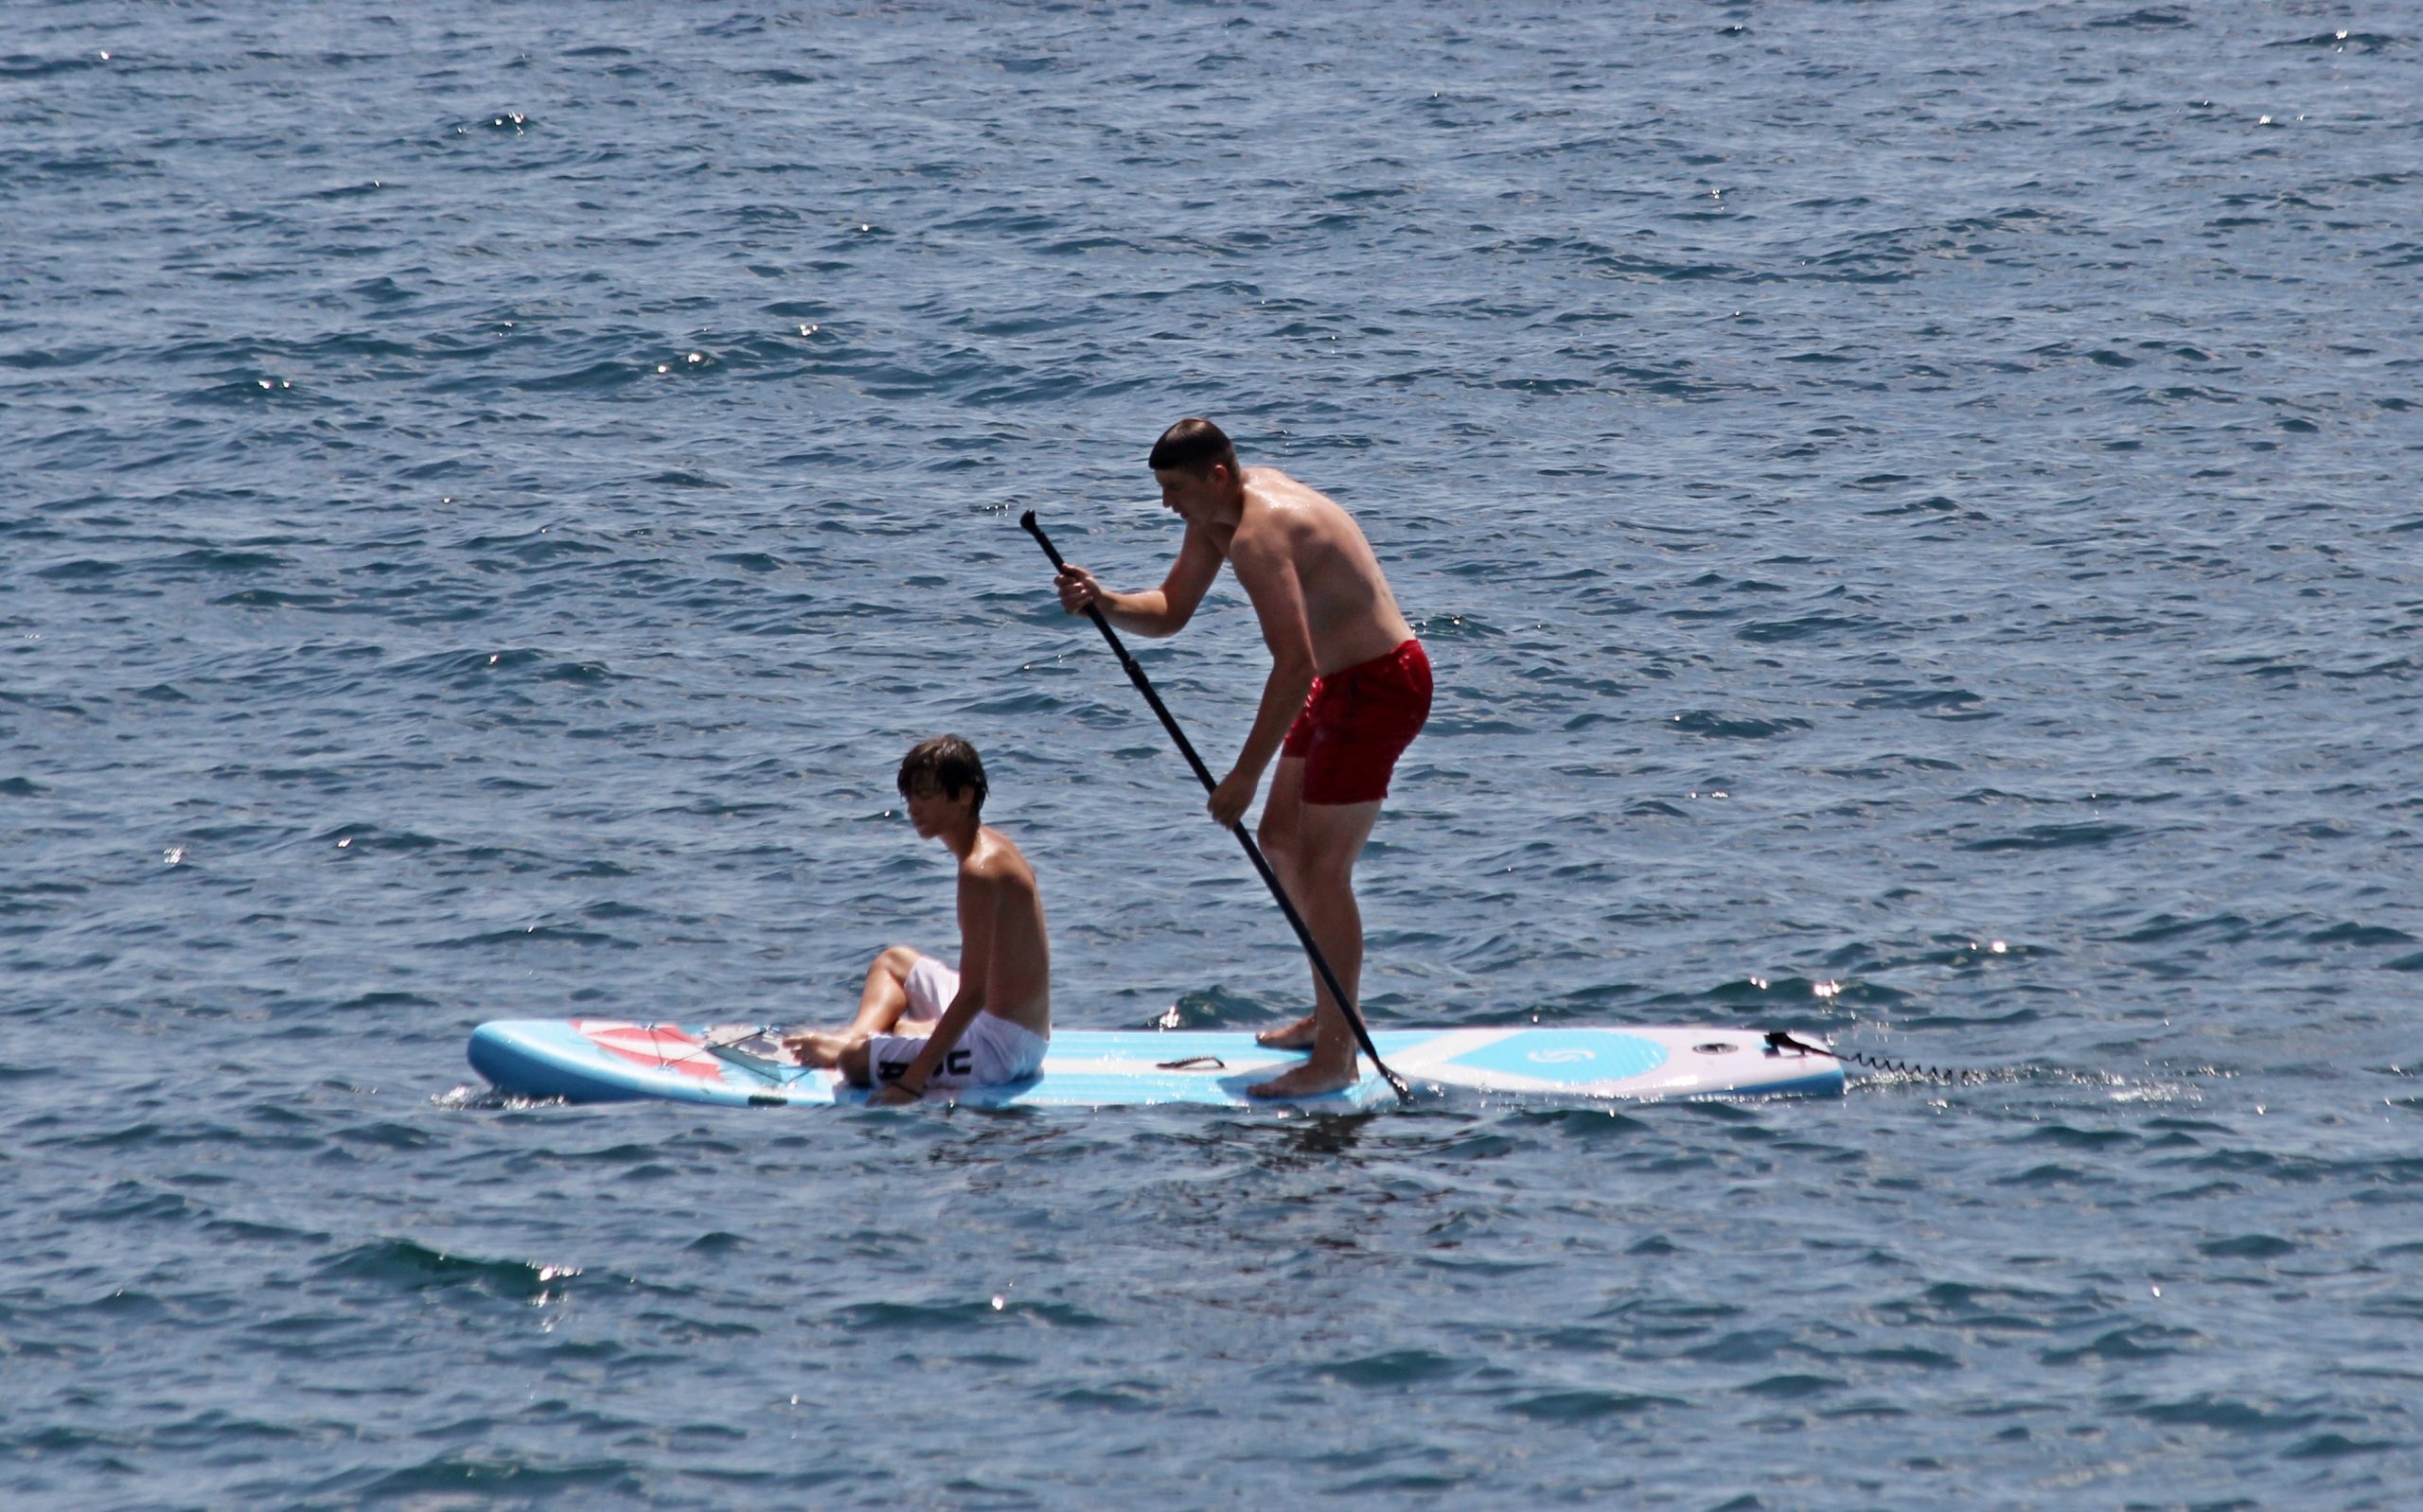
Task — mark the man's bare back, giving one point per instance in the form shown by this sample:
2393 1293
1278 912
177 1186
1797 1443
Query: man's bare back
1350 613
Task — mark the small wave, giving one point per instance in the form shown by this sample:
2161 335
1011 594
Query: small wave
2152 18
1215 1007
1807 627
2248 1247
2165 926
1587 1124
2223 1414
266 598
450 1479
35 359
407 1265
2335 1445
1394 1370
280 391
370 839
594 377
29 67
217 559
2126 1347
2366 42
2355 934
536 935
83 570
1921 700
129 1201
1794 1385
1734 726
2054 837
957 1317
481 1099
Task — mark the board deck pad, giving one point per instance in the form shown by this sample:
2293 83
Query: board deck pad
613 1061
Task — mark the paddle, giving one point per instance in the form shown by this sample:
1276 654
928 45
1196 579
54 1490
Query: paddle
1253 851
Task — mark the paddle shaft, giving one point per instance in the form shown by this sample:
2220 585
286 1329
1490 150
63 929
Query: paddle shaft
1253 853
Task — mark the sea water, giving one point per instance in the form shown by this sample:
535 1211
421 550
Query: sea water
1914 510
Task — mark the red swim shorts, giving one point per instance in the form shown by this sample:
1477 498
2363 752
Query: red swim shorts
1357 722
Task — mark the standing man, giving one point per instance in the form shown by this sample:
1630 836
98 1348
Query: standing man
1349 688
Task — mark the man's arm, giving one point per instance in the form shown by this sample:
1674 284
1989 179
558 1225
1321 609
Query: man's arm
978 900
1159 611
1267 573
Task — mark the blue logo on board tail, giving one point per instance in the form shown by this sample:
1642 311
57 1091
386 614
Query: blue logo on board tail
1567 1057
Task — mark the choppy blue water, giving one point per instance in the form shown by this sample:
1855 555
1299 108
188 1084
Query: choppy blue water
1914 508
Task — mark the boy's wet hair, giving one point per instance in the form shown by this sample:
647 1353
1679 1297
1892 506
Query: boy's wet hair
1193 446
948 765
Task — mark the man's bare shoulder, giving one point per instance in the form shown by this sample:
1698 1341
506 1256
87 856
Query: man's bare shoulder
1282 518
1276 489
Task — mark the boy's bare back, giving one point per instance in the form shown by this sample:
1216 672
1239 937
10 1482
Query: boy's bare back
1000 919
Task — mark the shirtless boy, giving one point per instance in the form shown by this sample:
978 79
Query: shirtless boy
920 1024
1349 688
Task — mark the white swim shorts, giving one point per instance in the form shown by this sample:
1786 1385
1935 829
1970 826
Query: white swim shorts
993 1050
931 986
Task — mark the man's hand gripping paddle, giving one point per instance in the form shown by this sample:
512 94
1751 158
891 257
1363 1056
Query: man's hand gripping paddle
1253 851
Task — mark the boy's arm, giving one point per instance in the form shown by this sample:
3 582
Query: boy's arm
1268 576
978 903
1156 612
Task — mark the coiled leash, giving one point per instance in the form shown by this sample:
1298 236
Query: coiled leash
1782 1040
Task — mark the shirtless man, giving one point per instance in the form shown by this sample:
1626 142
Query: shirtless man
1349 688
919 1024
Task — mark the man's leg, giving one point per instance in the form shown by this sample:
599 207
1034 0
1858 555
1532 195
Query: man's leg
1281 833
1328 839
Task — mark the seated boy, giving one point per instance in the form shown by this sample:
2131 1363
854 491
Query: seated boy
920 1024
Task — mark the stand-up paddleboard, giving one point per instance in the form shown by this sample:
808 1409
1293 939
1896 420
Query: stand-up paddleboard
607 1061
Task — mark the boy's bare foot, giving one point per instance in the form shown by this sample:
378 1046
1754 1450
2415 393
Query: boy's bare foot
816 1049
1310 1079
1297 1036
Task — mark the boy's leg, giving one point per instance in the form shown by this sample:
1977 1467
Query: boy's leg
886 994
1328 839
853 1061
819 1049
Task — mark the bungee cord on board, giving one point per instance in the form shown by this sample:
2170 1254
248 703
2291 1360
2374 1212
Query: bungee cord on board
723 1050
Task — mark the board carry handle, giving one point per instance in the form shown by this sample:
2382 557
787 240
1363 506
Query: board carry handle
1253 853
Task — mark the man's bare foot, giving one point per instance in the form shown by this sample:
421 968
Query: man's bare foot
1307 1081
1297 1036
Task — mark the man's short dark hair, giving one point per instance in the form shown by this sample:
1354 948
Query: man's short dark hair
948 765
1193 446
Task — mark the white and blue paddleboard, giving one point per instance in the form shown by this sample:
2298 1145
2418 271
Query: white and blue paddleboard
609 1061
